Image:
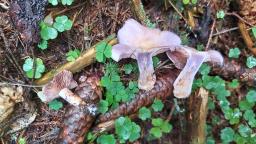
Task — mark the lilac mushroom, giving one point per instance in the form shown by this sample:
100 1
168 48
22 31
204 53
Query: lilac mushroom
142 43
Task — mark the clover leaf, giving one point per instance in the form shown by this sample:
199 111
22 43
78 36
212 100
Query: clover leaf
106 139
103 106
144 113
251 96
220 14
103 51
72 55
55 104
53 2
62 23
227 135
160 126
234 53
43 45
47 32
28 68
251 62
157 105
67 2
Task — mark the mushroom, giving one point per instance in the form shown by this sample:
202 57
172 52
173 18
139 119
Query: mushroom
190 60
142 43
60 87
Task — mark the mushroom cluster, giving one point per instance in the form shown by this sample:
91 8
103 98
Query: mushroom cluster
142 43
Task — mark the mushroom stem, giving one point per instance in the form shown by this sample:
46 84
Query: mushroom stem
70 97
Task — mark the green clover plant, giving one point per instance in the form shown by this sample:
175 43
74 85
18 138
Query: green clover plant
33 72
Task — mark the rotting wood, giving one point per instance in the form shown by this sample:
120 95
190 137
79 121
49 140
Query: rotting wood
197 116
84 60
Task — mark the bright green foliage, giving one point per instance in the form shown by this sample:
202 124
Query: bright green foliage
72 55
194 1
28 68
47 32
251 62
128 68
254 32
220 14
251 96
234 83
62 23
227 135
233 115
211 105
245 105
103 106
67 2
204 69
126 129
144 113
106 139
53 2
115 90
234 53
244 130
55 105
43 45
103 51
22 140
210 140
157 105
156 61
160 126
185 2
200 47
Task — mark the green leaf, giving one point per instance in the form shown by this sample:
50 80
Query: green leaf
156 132
239 139
100 57
62 23
108 51
144 113
254 32
210 140
22 140
103 106
72 55
157 121
234 53
185 2
43 45
156 61
106 139
67 2
211 105
194 1
157 105
128 68
251 96
220 14
234 83
244 130
249 115
204 69
227 135
28 64
55 105
251 62
245 105
166 127
53 2
47 33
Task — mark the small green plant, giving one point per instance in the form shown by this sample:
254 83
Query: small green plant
188 1
126 129
160 126
55 105
220 14
72 55
64 2
156 61
144 113
106 139
31 72
103 51
49 32
234 53
103 106
251 62
227 135
22 140
157 105
62 23
128 68
233 84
